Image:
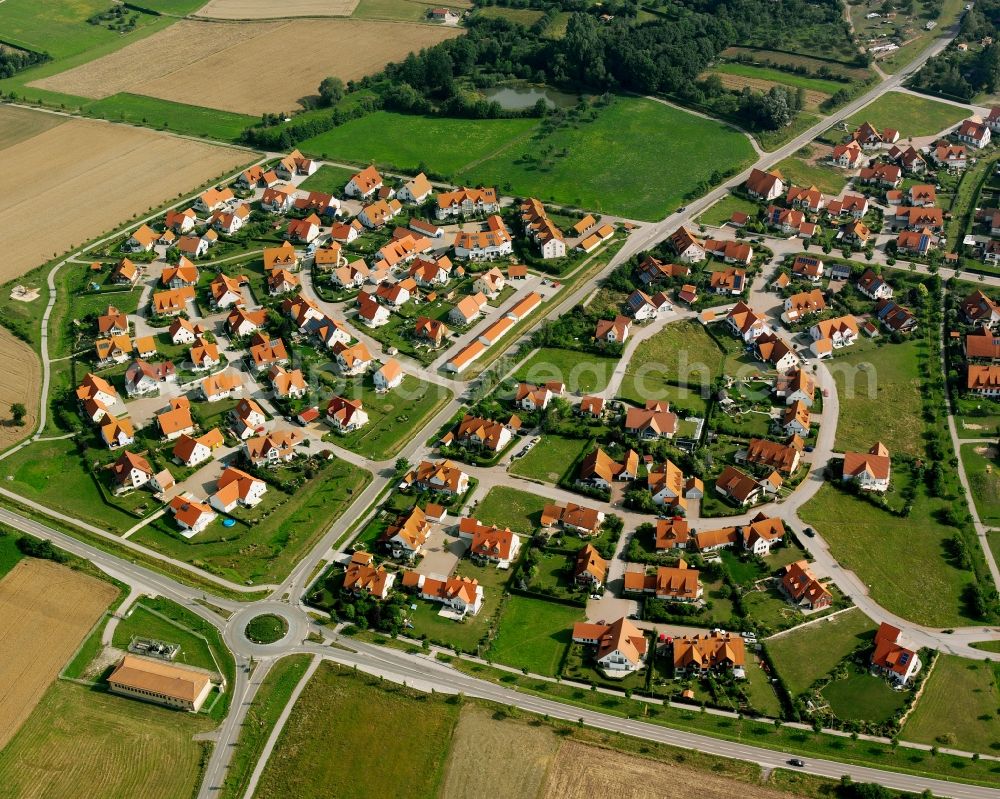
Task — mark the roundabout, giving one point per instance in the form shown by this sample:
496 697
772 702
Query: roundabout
265 628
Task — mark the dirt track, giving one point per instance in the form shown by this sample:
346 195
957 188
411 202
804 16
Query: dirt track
96 176
273 9
189 62
45 612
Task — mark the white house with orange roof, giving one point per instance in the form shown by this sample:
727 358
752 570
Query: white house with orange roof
388 376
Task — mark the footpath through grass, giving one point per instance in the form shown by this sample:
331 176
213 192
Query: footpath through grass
267 706
355 731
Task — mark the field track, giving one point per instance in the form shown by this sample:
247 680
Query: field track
45 611
737 82
95 176
274 9
189 61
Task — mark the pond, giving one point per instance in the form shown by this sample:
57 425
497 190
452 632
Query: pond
517 98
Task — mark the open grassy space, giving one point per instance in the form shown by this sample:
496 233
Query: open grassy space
266 550
681 353
508 507
330 179
62 30
638 158
9 553
344 738
903 560
51 472
79 742
188 120
802 173
984 480
863 696
582 372
267 705
533 634
719 213
803 656
402 10
393 417
910 115
549 459
523 16
763 699
871 380
959 708
779 76
146 622
444 145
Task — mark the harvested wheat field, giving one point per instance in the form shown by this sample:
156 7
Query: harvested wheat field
183 63
276 9
22 383
469 775
581 772
84 743
46 610
100 175
18 124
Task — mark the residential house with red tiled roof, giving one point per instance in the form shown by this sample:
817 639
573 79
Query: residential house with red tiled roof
892 658
620 647
803 588
362 577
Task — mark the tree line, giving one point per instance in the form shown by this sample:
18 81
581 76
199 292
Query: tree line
962 74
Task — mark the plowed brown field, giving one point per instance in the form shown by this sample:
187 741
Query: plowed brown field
95 176
199 63
45 611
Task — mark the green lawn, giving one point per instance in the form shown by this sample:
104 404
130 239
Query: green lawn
682 353
825 178
350 736
901 559
52 473
803 656
863 697
582 372
549 459
402 10
984 480
762 696
329 179
778 76
910 115
189 120
871 380
638 158
393 417
719 213
147 623
522 16
62 30
509 507
533 634
271 538
959 708
9 553
445 146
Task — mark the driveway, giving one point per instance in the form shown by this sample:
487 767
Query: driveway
442 552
